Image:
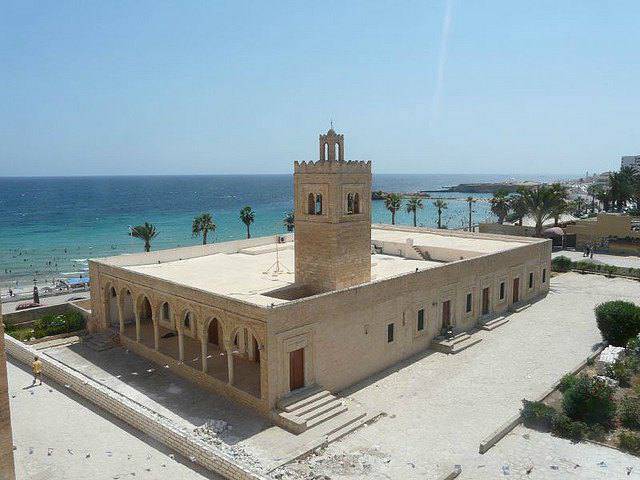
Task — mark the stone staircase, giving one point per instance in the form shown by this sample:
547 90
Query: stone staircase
99 341
424 255
459 342
313 407
493 323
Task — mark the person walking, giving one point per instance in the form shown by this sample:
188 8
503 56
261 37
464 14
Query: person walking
36 368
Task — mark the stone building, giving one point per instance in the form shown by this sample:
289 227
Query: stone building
270 319
7 471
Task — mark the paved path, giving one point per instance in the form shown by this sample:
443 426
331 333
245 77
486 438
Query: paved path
85 442
617 260
550 458
441 406
9 307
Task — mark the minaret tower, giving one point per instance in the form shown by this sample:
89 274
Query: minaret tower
332 219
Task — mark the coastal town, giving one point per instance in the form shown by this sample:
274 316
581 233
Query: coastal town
320 241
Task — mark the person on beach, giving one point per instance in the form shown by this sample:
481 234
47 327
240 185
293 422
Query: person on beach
36 367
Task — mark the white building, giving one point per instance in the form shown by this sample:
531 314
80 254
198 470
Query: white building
632 161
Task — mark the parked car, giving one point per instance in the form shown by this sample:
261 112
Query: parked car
25 305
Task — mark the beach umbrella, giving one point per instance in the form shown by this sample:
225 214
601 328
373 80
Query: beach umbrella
553 232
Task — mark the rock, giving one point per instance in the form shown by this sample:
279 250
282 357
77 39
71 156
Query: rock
608 381
608 356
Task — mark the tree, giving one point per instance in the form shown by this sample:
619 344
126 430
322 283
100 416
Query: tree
248 216
519 207
393 203
204 224
594 190
470 201
413 205
500 205
604 196
621 185
145 232
289 221
562 205
440 205
576 206
541 202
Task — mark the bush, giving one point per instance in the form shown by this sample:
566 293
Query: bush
57 324
537 415
633 347
618 321
587 266
568 381
621 372
561 264
591 401
597 432
629 442
19 333
629 412
564 427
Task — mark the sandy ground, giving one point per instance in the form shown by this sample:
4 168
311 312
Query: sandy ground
60 436
617 260
441 406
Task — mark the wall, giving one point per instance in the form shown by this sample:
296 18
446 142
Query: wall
521 231
26 317
605 225
135 414
7 468
345 333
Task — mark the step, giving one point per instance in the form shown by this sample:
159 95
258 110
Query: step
348 424
494 323
300 399
316 412
450 342
334 412
463 346
322 401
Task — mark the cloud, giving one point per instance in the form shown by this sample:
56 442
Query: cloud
442 61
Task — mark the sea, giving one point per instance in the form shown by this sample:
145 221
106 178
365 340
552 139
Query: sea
51 226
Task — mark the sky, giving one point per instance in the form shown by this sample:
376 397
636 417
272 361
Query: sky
441 86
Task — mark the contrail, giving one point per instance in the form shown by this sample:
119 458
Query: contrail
442 60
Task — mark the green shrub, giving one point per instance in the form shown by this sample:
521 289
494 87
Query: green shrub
618 321
629 442
57 324
597 432
629 412
19 333
621 372
564 427
567 382
633 346
586 265
561 264
537 415
590 400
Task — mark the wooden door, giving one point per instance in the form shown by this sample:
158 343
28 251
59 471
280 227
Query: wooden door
296 369
516 290
446 313
485 301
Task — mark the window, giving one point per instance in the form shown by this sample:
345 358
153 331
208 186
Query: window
502 291
544 275
165 311
390 333
469 302
113 292
350 203
530 279
311 204
421 319
356 203
318 204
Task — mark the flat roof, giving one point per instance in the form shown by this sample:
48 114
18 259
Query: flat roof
251 273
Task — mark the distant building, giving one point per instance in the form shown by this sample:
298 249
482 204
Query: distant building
632 161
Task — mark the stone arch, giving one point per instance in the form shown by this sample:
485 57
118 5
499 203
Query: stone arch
111 299
127 305
311 204
144 309
166 313
325 150
187 321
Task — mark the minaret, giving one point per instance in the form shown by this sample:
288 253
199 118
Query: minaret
7 469
332 219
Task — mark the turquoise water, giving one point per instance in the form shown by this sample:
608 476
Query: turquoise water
50 226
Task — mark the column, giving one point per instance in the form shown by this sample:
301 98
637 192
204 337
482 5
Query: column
229 349
251 348
180 345
156 334
121 316
242 347
203 344
137 315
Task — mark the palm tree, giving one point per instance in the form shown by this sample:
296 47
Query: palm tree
145 232
594 190
289 221
621 186
519 208
248 216
576 206
500 205
203 224
440 205
393 203
542 203
470 201
413 205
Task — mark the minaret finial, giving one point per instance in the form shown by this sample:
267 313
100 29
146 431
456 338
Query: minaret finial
331 121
